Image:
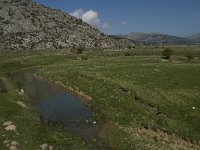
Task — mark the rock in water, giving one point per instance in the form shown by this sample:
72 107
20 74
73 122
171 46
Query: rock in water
27 25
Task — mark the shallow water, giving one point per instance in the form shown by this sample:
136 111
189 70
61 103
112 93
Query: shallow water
56 106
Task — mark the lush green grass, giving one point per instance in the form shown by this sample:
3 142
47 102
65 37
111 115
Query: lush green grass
138 92
142 101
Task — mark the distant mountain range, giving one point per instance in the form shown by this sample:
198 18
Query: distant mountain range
162 39
195 38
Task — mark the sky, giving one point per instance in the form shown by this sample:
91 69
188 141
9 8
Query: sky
174 17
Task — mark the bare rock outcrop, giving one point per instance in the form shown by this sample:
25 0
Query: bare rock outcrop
27 25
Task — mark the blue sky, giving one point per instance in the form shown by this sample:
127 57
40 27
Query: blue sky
175 17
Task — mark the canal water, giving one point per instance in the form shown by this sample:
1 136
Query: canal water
57 107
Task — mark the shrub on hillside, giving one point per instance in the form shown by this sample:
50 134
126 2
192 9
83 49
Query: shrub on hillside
130 47
80 50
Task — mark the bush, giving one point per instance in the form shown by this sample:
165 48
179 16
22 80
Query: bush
80 50
167 53
189 57
129 54
3 88
130 47
84 58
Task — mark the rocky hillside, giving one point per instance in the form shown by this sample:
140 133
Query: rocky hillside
159 39
28 25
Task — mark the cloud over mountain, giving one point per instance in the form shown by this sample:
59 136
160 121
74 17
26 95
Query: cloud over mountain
105 26
91 17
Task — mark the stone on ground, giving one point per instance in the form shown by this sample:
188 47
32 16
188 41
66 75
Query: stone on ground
21 104
44 146
10 128
13 147
7 123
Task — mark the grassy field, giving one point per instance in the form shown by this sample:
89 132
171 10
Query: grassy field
141 100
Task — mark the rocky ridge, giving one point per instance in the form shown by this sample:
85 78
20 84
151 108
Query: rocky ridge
27 25
162 39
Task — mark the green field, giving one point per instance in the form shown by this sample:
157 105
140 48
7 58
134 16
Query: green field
141 100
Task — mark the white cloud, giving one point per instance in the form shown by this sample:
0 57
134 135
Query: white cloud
123 23
105 26
77 13
90 16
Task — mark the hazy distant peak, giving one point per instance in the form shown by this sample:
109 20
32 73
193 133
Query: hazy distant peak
162 39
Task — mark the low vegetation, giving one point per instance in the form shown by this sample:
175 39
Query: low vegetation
167 53
80 50
141 101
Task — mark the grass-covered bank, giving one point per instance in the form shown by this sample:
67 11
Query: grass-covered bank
16 112
29 132
143 102
136 93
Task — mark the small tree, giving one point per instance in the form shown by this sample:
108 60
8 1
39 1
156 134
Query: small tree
167 53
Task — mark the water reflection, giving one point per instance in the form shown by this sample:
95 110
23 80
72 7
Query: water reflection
56 106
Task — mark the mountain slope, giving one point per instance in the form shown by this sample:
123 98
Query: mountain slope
195 38
28 25
158 39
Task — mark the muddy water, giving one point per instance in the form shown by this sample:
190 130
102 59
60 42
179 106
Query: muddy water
56 106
